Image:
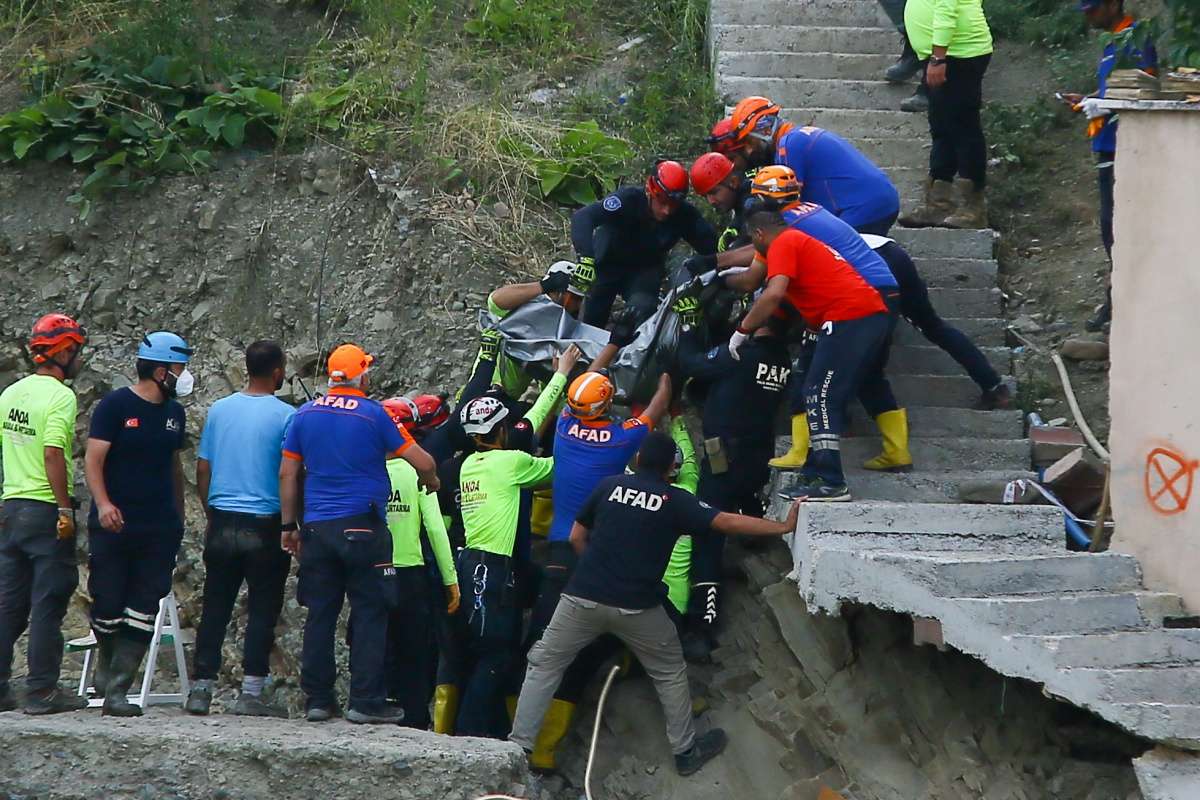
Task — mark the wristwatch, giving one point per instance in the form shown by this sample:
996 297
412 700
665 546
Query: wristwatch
288 527
937 61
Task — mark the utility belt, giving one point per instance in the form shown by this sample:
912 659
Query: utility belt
233 533
486 578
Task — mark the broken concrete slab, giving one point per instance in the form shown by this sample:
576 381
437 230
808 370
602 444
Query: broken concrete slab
1167 774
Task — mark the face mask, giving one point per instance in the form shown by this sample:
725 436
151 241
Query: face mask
185 383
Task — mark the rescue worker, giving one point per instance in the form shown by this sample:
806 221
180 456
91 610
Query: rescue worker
38 574
685 475
738 425
623 241
851 323
832 173
624 534
589 445
721 139
135 525
1109 16
237 481
411 511
716 178
342 442
491 481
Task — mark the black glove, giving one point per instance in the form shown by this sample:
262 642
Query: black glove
624 330
555 282
698 265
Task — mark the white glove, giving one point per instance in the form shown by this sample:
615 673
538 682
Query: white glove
735 342
1091 108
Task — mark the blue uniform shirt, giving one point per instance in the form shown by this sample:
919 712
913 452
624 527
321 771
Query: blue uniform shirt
1147 59
344 440
844 240
835 175
242 442
586 453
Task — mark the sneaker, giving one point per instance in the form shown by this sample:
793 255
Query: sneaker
384 715
56 701
917 103
199 698
8 701
251 705
817 491
706 748
1101 318
323 713
995 399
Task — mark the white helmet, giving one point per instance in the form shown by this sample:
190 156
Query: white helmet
567 268
482 415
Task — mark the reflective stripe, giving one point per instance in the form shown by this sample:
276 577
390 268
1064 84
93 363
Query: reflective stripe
133 614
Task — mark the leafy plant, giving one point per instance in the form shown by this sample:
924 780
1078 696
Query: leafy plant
583 165
536 26
1184 48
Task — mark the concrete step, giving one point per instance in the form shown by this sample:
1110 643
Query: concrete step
913 153
912 487
917 360
852 123
933 519
869 94
823 66
983 331
953 302
1062 613
926 421
1129 649
854 13
1174 685
947 454
935 391
976 575
1178 725
958 273
802 38
922 243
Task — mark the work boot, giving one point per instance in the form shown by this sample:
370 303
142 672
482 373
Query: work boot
796 455
939 204
1102 317
555 725
893 427
445 708
707 747
252 705
323 713
970 206
199 698
53 701
126 658
906 66
996 398
8 701
104 652
817 490
383 715
917 102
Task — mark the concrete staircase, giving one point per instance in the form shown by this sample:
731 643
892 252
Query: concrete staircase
993 581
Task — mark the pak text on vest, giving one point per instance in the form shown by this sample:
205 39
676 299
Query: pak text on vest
636 498
772 374
597 435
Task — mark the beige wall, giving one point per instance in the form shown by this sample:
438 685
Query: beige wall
1155 348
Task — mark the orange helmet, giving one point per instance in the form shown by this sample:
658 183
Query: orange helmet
347 362
709 170
668 180
749 113
776 183
590 395
52 334
721 139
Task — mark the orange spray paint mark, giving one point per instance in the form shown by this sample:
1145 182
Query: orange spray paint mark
1169 480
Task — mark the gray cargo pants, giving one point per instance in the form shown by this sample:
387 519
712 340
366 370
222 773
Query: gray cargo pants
649 633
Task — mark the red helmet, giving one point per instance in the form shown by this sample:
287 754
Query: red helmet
667 181
52 334
722 138
420 414
709 170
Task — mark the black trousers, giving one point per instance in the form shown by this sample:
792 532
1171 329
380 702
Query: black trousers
130 572
959 148
37 578
348 557
409 640
620 270
1105 172
241 548
916 308
488 627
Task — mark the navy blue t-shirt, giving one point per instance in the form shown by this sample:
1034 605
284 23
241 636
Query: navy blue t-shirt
138 471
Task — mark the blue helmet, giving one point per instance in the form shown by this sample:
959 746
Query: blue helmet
164 347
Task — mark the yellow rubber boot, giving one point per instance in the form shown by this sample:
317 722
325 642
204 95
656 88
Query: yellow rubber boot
542 512
445 708
893 427
510 705
555 725
798 454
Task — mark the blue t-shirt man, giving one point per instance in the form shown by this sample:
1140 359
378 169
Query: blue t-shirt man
242 442
1146 57
344 440
842 239
585 453
838 177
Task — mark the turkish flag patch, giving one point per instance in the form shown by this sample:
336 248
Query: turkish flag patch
132 422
